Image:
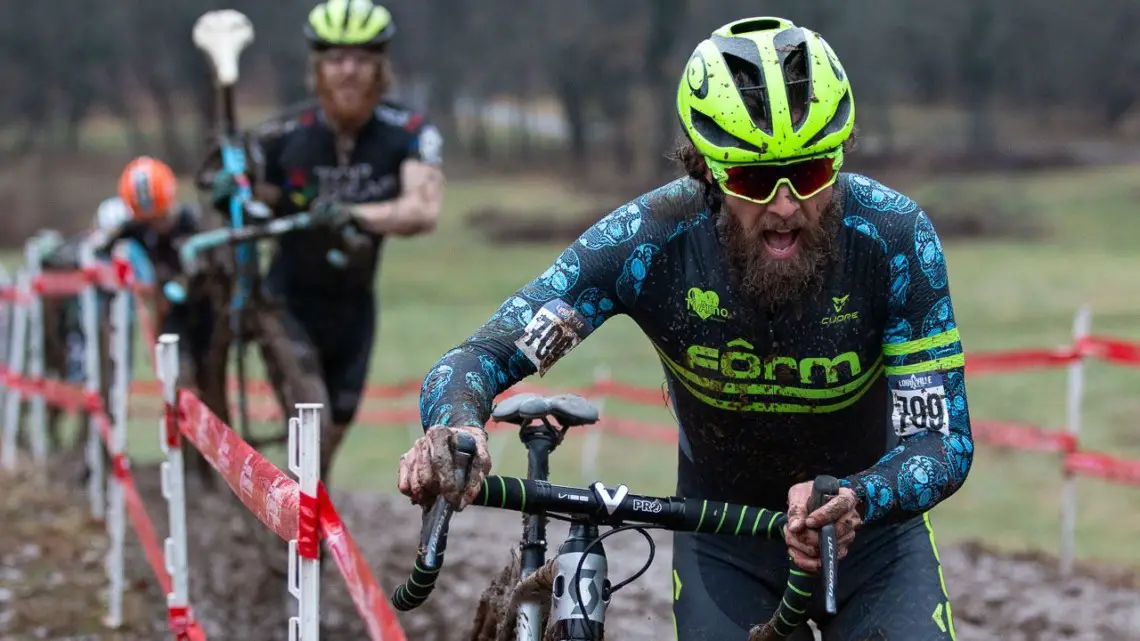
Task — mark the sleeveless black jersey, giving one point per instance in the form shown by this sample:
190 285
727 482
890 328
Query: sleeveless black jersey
298 155
863 381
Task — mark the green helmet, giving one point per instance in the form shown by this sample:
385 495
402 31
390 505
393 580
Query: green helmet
349 23
790 71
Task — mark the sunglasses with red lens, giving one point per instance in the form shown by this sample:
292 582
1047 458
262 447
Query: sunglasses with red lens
758 183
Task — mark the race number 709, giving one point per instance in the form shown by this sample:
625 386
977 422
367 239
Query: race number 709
920 411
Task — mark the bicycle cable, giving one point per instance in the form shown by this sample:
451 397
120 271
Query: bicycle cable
640 529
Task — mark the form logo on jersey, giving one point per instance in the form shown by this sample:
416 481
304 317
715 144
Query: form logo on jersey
354 183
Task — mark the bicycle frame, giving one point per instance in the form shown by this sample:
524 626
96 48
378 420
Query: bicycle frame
541 439
581 555
212 238
245 258
581 589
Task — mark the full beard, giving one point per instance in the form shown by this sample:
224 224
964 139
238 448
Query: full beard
348 109
769 282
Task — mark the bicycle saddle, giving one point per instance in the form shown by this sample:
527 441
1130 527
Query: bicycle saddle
568 409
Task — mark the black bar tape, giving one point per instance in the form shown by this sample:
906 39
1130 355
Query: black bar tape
715 517
792 611
416 590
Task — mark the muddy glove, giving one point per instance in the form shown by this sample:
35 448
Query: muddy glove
802 534
428 469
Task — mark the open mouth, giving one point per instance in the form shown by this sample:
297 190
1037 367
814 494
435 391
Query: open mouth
781 243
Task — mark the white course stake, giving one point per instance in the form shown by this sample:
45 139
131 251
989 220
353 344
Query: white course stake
89 303
1082 325
116 506
17 354
304 563
173 487
38 419
6 314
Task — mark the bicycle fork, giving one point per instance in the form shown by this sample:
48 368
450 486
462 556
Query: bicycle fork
581 586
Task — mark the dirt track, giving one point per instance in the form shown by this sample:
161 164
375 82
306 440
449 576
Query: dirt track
994 597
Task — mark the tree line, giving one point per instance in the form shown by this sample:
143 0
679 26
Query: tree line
605 71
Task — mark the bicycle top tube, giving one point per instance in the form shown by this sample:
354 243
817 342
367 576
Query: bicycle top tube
213 238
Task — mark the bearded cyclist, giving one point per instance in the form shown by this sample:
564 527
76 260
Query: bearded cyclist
804 323
349 153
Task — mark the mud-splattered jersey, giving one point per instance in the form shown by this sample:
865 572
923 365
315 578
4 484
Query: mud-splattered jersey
863 380
298 153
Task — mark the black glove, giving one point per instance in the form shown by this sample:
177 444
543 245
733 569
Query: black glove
329 213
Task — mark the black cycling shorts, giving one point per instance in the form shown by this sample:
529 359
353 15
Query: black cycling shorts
890 587
341 333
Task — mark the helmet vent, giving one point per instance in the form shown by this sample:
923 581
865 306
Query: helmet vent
842 114
759 24
750 83
797 81
712 132
795 62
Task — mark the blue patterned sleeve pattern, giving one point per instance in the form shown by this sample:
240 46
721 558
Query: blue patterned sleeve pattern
600 275
925 373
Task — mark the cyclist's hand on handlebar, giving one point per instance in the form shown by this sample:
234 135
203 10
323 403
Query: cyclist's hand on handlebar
330 213
223 187
428 469
802 533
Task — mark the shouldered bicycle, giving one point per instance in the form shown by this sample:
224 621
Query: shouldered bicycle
577 578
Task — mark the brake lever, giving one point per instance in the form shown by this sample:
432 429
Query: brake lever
433 539
823 489
433 536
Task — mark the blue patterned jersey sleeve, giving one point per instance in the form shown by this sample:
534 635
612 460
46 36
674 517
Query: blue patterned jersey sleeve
925 373
598 276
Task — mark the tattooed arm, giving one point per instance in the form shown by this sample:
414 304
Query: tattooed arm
926 379
590 282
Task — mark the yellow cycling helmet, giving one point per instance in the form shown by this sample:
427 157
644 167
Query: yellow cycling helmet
349 23
799 98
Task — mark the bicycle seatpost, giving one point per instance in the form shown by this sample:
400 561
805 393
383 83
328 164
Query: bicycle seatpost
823 489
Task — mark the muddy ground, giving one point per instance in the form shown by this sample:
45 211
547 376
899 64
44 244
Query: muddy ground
51 576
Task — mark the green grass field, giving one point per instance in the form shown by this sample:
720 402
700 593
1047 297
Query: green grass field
436 290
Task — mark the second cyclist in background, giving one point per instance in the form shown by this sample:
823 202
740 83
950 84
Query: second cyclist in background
350 156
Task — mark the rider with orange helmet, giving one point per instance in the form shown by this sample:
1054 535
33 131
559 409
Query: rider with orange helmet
160 223
155 218
149 189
